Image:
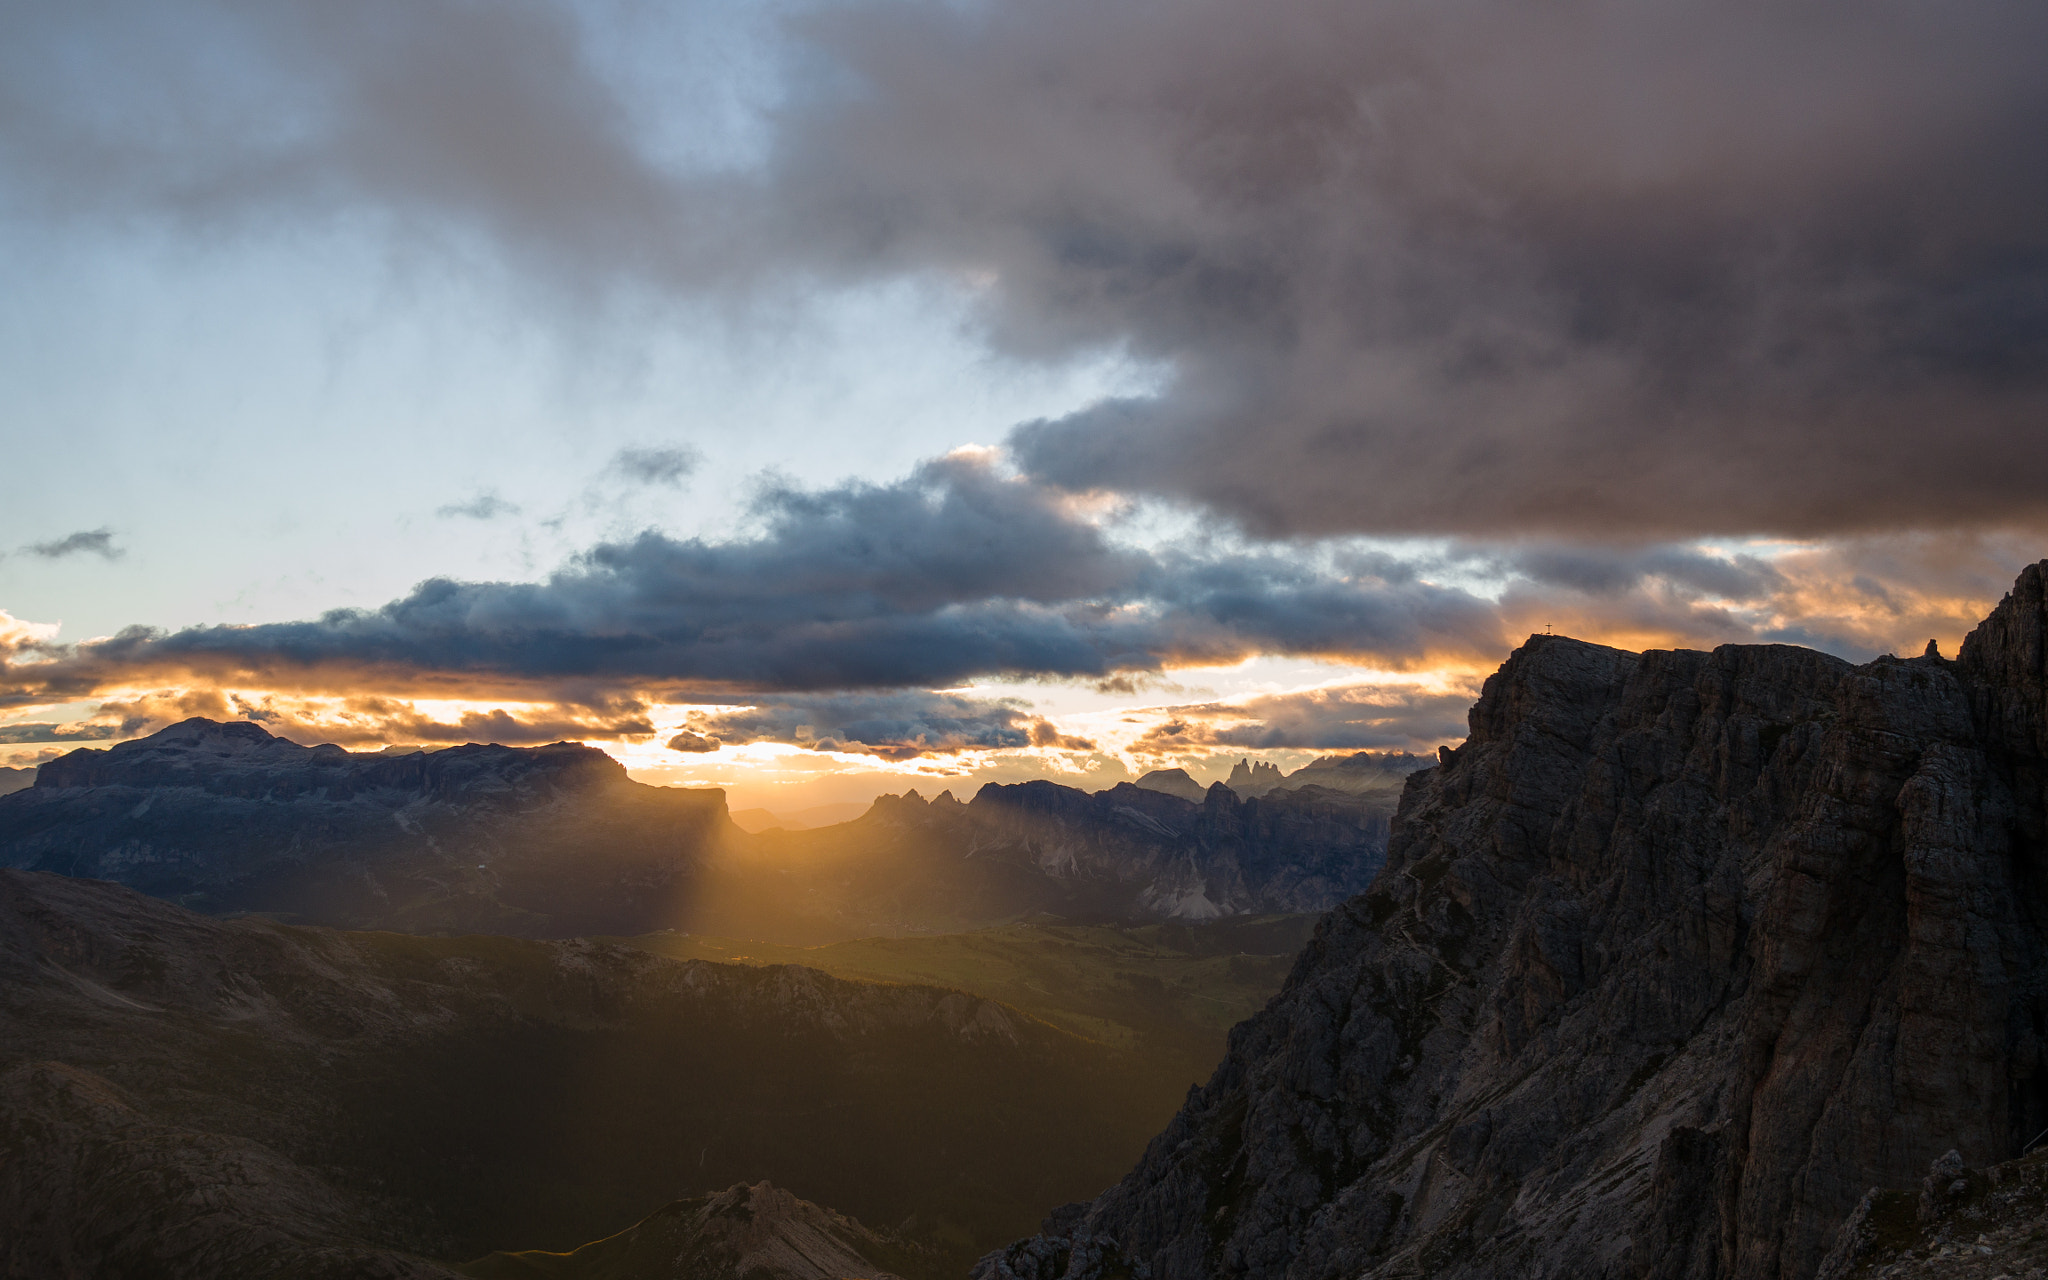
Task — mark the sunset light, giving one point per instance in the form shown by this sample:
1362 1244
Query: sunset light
1024 639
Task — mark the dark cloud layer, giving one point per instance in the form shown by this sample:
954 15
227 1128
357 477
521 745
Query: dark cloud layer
961 572
1348 718
1593 268
24 732
953 573
896 725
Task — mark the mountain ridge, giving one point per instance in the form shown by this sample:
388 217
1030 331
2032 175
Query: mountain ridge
558 841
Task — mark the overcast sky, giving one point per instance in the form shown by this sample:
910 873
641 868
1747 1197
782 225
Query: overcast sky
854 393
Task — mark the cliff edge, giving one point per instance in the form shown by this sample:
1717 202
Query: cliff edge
1677 957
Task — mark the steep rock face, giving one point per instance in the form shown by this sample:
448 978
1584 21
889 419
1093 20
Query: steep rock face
1250 778
539 841
1675 958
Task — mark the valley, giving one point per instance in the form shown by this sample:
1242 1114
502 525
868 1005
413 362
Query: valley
406 1098
1170 992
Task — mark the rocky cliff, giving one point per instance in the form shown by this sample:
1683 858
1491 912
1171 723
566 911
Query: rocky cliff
537 841
1671 962
1254 778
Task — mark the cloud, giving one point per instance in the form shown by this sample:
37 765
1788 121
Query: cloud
18 633
1595 270
1600 270
895 725
693 743
1344 718
485 506
955 572
667 465
962 571
23 732
362 720
86 542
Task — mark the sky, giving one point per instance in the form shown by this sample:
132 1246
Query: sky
822 398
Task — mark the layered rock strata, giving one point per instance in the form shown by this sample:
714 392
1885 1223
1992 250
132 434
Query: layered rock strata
1671 962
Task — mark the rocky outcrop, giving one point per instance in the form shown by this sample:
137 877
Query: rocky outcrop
1958 1224
758 1232
536 841
1674 959
181 1095
1250 778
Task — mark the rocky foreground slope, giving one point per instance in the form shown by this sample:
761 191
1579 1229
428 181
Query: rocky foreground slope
184 1096
1671 962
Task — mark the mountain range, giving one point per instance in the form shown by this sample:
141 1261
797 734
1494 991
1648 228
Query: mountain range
1040 849
1379 774
557 841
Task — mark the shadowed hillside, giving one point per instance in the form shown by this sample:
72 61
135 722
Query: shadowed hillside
1170 991
399 1097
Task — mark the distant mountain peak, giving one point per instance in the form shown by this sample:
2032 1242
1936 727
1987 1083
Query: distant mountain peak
1254 778
1174 782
